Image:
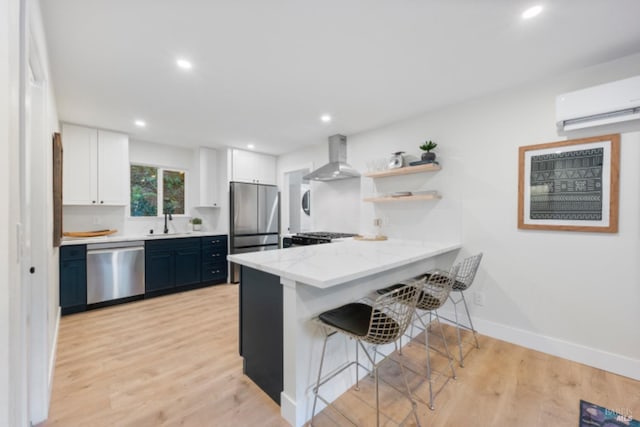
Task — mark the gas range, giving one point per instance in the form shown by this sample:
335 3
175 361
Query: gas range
313 238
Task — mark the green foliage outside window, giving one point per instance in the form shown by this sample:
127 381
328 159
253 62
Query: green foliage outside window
173 189
145 192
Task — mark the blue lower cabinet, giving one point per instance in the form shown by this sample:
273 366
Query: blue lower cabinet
188 262
73 278
173 265
159 265
214 259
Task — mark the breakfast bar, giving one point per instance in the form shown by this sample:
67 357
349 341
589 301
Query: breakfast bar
284 289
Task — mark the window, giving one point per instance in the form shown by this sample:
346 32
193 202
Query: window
150 199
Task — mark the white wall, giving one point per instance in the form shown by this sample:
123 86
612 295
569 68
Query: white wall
566 293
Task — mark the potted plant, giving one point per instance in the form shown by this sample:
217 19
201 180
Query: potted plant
428 156
197 223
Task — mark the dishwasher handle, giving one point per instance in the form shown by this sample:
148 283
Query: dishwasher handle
115 245
112 250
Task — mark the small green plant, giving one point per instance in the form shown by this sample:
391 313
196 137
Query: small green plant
428 146
196 221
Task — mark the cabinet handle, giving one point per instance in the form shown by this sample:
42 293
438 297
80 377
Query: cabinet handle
93 201
214 272
101 201
215 255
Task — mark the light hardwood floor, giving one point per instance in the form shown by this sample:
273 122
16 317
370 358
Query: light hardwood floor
174 361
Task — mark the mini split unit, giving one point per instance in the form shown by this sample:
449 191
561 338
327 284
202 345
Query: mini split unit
601 105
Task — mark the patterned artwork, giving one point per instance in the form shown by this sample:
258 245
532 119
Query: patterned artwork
567 185
570 185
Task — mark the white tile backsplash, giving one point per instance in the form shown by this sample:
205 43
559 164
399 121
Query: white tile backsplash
90 218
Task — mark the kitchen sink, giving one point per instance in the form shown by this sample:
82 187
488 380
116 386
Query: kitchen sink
161 235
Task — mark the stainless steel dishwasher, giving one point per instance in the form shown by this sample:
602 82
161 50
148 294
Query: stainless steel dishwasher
114 270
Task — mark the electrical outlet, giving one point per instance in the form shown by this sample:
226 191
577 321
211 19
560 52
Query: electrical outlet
96 220
377 222
478 298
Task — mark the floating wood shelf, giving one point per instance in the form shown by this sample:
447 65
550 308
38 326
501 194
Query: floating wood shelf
411 198
404 171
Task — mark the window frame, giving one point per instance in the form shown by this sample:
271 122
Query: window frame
160 190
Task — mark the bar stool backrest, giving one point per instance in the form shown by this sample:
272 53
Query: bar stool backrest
392 313
467 272
437 288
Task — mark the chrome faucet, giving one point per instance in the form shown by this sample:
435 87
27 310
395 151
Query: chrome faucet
166 229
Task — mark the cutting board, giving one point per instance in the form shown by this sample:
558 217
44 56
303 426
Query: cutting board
370 238
96 233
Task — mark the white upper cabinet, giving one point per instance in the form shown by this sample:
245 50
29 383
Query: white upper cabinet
253 167
209 177
95 166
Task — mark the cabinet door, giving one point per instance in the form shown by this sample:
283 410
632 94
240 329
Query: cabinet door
265 171
159 270
73 285
253 167
113 168
208 177
79 165
188 266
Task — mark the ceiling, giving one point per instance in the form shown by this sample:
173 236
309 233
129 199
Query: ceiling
265 71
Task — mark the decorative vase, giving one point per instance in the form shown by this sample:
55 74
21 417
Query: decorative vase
428 157
197 227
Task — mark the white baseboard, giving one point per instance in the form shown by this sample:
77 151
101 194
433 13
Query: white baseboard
52 356
288 409
596 358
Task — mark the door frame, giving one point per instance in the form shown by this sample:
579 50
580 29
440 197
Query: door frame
285 201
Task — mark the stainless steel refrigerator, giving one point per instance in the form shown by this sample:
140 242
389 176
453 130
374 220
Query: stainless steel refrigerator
254 220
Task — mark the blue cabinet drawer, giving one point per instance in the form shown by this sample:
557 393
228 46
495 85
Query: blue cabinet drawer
73 252
214 254
214 241
214 271
163 244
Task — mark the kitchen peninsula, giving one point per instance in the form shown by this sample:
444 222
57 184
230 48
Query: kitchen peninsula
282 290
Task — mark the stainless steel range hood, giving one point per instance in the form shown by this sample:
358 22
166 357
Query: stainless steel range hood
337 168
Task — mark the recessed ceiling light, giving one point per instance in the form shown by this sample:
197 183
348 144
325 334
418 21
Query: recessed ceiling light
184 64
325 118
251 146
140 123
531 12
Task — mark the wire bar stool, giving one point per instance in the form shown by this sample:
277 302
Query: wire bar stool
464 279
434 293
381 322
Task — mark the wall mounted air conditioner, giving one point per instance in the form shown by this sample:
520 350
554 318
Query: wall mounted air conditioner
605 104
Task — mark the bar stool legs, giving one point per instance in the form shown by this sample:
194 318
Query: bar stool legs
447 353
466 275
460 325
383 322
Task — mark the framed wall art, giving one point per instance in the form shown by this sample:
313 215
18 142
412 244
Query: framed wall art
57 189
570 185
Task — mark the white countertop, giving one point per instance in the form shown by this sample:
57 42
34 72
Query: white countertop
331 264
130 238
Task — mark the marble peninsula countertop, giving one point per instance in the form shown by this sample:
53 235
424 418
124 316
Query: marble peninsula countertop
327 265
130 238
